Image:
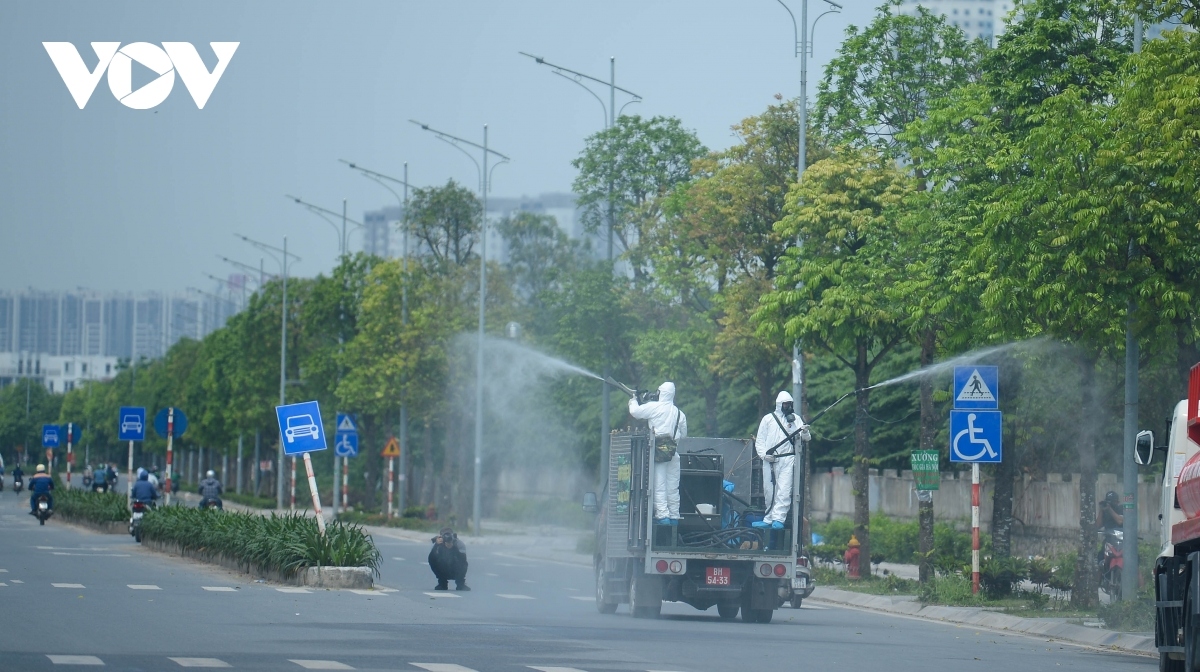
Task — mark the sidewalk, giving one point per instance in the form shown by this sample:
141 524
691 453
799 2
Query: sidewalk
1055 628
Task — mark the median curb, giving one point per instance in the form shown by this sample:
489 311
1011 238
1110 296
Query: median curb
984 618
311 577
111 527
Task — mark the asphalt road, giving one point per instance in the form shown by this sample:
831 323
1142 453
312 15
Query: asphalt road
74 598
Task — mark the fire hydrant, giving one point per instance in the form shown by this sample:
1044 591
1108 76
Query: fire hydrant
851 558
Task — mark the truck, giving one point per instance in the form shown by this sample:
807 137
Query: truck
1177 568
713 557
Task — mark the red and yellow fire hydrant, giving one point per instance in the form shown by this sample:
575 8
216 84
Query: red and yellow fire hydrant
851 558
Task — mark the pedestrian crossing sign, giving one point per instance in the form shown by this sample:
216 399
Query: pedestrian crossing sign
345 423
976 387
392 448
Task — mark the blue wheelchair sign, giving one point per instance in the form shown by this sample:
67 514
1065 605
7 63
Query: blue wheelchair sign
975 436
131 424
347 445
50 436
300 428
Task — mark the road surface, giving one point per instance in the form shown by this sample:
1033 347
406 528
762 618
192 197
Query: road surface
74 599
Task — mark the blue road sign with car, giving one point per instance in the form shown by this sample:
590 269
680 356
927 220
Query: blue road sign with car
977 387
50 436
975 436
300 427
132 424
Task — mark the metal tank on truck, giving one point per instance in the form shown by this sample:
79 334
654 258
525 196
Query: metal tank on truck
1177 569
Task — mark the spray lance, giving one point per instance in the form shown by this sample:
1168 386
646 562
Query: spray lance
642 396
841 399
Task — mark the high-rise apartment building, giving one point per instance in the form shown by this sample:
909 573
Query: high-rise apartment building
978 19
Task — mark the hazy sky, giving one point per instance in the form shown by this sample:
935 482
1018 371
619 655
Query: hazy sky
112 198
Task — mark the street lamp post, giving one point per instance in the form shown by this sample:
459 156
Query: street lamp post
282 260
610 119
484 178
382 181
803 48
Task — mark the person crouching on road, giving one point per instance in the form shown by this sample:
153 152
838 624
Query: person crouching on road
211 490
779 434
669 426
448 560
40 484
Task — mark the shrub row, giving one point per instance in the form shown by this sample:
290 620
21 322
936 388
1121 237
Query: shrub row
286 544
93 507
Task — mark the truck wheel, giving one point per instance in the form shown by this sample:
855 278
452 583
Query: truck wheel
602 603
1168 664
727 610
764 615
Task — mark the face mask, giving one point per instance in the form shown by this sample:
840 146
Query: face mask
788 409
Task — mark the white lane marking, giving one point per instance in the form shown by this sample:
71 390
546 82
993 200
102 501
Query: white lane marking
442 594
200 662
219 589
582 598
17 581
3 571
3 584
297 591
142 586
514 597
400 559
554 669
67 585
321 664
528 581
442 667
357 591
492 575
75 660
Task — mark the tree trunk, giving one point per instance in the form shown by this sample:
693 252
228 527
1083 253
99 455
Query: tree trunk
929 429
1084 595
862 456
428 481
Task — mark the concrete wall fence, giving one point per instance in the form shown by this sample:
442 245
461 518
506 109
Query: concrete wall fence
1045 512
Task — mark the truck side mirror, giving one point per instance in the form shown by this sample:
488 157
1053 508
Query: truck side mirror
1143 450
590 504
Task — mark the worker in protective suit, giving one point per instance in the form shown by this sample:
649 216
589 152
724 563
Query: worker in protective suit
779 435
669 425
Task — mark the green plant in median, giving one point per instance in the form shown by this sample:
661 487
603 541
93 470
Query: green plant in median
286 543
1000 576
94 507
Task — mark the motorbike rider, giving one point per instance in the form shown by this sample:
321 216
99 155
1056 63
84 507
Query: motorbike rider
1111 517
778 437
211 490
100 478
40 484
143 491
18 473
669 425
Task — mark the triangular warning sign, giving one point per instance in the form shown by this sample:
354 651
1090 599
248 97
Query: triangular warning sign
346 425
975 389
392 448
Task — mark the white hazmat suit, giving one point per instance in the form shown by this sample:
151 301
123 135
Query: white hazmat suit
778 467
662 415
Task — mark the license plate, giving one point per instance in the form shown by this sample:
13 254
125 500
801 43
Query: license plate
801 582
717 576
137 515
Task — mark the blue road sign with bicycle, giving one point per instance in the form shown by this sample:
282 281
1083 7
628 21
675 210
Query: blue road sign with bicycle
131 425
300 428
975 436
50 436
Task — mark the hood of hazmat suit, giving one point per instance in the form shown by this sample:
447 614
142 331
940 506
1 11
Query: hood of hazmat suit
661 414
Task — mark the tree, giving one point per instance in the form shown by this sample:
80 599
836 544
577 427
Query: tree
447 222
631 168
834 292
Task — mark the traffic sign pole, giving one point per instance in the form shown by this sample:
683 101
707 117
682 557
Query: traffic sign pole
391 478
306 461
70 456
312 487
337 478
345 482
170 452
129 477
975 528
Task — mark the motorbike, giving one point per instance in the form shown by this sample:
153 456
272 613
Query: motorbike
1112 563
87 480
211 503
135 522
43 509
18 484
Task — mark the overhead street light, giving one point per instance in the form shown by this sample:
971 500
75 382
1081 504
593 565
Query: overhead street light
325 213
484 179
382 180
282 260
611 113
